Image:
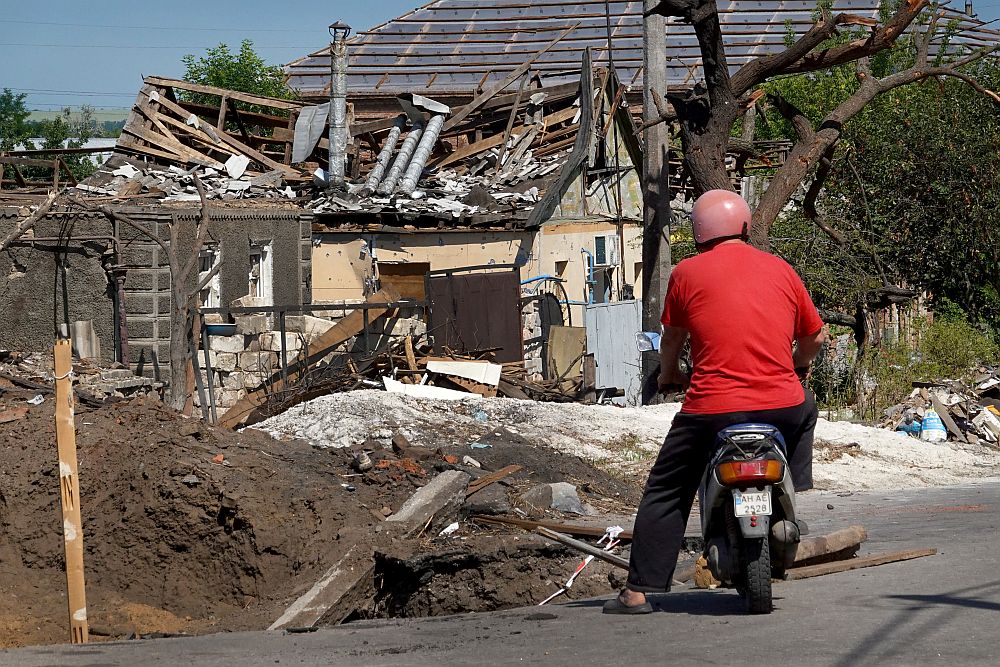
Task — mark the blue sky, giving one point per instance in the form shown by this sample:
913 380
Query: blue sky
68 52
106 46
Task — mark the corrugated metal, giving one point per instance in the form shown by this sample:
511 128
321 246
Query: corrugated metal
611 329
477 311
459 46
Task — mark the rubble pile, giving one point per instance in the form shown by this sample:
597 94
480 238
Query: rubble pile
137 179
452 193
97 382
951 410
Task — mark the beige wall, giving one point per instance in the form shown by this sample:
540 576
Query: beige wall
559 248
342 262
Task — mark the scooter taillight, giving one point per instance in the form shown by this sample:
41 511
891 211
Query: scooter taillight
750 473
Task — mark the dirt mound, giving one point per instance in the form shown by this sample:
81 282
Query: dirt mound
187 527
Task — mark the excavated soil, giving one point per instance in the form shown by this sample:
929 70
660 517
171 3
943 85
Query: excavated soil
189 528
175 542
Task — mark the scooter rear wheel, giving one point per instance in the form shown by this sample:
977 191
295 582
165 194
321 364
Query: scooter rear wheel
755 555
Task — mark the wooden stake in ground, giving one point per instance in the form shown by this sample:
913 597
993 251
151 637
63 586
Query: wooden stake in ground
69 487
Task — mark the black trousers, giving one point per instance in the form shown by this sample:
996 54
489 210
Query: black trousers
674 479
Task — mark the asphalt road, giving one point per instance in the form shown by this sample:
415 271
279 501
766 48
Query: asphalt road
939 610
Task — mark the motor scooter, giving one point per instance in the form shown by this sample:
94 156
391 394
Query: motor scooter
747 506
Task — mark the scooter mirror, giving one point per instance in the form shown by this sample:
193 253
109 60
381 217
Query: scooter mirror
647 342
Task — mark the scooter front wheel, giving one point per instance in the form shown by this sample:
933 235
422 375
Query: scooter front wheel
755 555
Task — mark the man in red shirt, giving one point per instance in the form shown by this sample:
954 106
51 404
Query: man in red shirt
743 309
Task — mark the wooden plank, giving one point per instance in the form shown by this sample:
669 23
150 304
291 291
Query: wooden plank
482 99
856 563
510 127
511 390
26 162
349 326
492 478
132 146
211 114
496 140
69 486
226 138
259 100
232 142
411 358
181 153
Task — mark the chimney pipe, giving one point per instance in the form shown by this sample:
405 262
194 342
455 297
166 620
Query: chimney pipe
388 186
338 105
384 156
421 155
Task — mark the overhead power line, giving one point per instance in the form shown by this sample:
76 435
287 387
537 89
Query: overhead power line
85 93
134 46
156 27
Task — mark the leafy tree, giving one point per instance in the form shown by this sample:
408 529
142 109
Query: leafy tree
67 130
910 199
13 119
244 71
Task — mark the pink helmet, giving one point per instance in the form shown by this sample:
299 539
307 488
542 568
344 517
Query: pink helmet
719 214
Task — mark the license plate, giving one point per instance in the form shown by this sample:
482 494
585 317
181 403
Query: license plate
757 503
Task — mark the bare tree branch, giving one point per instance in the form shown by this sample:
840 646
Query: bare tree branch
809 205
201 231
881 39
803 128
759 70
22 227
111 214
810 149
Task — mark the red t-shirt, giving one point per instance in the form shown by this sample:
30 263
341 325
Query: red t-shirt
743 308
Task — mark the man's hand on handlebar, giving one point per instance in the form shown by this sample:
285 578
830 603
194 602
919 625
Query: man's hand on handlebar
672 380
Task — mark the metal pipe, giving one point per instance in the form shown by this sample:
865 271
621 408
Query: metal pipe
208 375
385 155
388 186
421 155
338 105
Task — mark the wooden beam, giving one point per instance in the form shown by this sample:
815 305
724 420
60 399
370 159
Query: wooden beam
69 486
247 407
510 127
496 140
482 99
856 563
259 100
231 141
492 478
837 545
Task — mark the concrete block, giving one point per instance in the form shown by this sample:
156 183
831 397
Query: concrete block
249 302
490 501
560 496
251 324
224 361
437 503
310 327
229 397
232 344
233 381
271 341
257 362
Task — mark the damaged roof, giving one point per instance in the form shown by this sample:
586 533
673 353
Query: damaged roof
498 162
462 46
